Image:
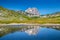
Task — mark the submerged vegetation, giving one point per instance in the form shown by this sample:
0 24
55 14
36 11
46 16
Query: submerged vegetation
10 16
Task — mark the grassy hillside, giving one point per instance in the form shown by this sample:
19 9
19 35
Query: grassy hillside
11 16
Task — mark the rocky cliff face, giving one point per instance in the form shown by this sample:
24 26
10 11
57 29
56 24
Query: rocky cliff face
32 12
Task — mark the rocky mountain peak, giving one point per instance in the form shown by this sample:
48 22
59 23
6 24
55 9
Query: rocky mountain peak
33 11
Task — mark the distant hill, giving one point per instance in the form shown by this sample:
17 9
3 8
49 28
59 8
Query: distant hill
56 14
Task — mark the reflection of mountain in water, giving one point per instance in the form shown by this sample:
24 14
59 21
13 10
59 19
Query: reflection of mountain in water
32 31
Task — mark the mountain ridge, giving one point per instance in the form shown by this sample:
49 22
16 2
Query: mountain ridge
11 16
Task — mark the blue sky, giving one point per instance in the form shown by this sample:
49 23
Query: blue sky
44 6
